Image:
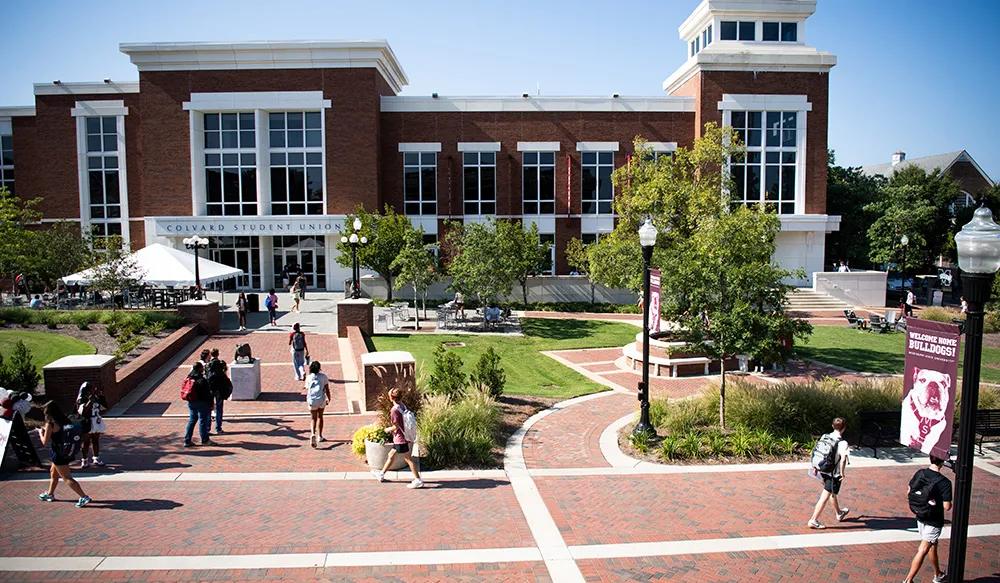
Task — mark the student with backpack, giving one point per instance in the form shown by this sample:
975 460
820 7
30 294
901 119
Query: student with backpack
300 352
317 397
829 460
242 307
90 404
404 434
929 495
198 394
219 383
271 304
64 439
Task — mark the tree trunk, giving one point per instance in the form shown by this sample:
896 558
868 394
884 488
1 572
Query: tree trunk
722 395
416 310
592 286
524 292
388 283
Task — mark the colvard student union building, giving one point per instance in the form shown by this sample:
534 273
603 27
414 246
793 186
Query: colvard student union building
263 147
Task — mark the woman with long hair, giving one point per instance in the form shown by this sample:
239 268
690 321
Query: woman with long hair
57 435
91 405
241 310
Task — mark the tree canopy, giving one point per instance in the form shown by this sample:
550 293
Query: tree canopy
480 263
416 266
848 192
386 235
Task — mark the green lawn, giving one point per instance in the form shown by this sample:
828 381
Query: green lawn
528 372
870 352
45 347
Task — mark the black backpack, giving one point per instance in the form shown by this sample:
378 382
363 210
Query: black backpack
218 380
71 439
921 489
299 341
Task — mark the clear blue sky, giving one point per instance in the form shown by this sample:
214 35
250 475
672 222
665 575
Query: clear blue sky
915 75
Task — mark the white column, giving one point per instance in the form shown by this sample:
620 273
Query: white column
266 263
800 165
198 194
123 181
263 163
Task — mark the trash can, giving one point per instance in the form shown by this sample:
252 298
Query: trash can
744 362
253 303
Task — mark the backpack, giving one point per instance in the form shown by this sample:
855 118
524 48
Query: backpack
314 391
409 425
71 440
299 341
824 454
188 391
268 302
921 488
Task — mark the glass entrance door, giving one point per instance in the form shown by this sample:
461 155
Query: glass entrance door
305 254
240 252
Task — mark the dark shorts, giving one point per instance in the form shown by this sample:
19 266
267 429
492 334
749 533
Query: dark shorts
832 484
401 447
58 460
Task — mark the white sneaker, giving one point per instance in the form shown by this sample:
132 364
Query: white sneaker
417 483
941 578
378 475
84 464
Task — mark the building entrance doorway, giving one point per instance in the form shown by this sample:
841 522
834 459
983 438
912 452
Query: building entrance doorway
305 254
240 252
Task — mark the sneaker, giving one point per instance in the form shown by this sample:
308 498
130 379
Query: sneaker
312 440
83 502
941 578
321 439
842 514
378 475
46 497
208 442
188 444
84 464
816 524
417 483
97 461
219 430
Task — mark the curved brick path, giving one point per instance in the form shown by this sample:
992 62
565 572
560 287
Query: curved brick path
570 437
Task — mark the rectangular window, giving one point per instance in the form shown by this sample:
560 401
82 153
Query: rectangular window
727 30
103 182
548 266
589 238
771 31
597 191
230 164
479 184
538 186
748 30
295 142
420 183
789 32
241 253
7 162
430 241
709 32
768 173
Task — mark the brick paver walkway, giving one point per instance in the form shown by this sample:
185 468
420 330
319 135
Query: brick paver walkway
570 438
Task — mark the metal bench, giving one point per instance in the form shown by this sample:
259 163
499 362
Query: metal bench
987 425
879 426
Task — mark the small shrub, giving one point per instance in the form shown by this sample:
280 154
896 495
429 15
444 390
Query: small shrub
741 443
461 431
991 323
126 344
788 444
938 314
156 328
765 443
690 445
640 441
680 416
374 433
447 378
670 447
18 373
82 326
52 326
717 445
489 374
409 394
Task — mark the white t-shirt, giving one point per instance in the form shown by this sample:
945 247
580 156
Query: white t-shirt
910 298
314 389
843 450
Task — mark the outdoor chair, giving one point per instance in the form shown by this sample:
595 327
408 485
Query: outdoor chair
877 324
852 320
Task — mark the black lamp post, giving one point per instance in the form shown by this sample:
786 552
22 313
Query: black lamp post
355 241
979 257
195 242
647 238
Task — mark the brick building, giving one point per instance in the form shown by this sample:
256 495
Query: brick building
263 147
971 178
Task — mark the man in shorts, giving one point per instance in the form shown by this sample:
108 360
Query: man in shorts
833 480
930 520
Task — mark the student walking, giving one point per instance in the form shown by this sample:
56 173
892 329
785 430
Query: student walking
242 307
911 301
91 404
198 394
219 383
930 496
829 460
404 433
300 352
63 439
271 303
317 397
297 295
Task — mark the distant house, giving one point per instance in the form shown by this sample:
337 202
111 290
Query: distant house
959 164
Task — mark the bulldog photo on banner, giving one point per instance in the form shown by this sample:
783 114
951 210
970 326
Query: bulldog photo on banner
929 385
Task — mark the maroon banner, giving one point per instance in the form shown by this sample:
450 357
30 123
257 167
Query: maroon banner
654 300
929 386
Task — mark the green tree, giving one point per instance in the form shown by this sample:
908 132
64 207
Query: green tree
848 192
522 250
447 377
386 238
417 267
18 374
479 264
113 266
58 251
17 240
578 258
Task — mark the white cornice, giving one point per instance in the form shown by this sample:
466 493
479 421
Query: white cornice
207 56
787 10
548 104
85 88
824 223
17 111
759 59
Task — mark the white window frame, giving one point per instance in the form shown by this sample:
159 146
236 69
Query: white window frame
239 151
479 165
108 108
597 191
422 197
264 164
7 131
537 199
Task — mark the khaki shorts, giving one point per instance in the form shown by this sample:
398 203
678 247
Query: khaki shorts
928 533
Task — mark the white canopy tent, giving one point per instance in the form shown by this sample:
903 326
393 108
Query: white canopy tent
162 265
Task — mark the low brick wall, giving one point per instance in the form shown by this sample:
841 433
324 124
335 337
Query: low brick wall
359 346
382 371
355 313
64 377
130 375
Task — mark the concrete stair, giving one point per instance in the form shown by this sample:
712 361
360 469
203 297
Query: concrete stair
806 300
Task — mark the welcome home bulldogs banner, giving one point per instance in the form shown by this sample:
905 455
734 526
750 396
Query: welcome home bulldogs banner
929 380
654 300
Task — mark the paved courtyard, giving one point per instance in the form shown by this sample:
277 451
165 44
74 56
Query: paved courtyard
262 505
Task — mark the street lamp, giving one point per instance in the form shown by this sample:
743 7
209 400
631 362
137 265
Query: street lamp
979 258
355 241
195 242
904 241
647 238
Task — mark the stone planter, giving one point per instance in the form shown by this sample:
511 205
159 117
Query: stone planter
376 453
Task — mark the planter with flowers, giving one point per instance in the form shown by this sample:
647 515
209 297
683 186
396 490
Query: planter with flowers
371 442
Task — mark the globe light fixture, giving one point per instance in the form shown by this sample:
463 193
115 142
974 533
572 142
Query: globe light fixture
355 240
195 242
979 257
647 239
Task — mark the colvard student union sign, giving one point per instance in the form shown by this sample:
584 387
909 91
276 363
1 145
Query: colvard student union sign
248 226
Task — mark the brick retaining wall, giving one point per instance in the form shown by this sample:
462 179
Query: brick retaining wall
150 361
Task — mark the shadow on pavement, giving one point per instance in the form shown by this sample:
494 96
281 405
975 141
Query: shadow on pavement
140 505
474 484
